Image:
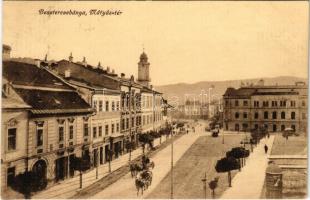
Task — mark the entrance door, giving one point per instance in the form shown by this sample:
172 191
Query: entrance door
95 154
71 165
61 168
236 127
101 155
106 153
116 149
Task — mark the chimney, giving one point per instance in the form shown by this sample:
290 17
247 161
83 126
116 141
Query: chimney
261 82
132 78
122 75
37 62
84 61
113 71
71 57
67 73
151 87
108 69
99 66
6 52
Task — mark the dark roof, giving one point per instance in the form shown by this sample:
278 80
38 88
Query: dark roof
241 92
45 101
88 75
30 75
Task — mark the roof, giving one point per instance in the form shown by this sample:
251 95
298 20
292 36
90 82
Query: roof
30 75
87 74
247 92
53 102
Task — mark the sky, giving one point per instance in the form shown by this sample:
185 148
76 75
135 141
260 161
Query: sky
185 42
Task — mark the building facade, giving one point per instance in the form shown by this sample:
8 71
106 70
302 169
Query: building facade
273 107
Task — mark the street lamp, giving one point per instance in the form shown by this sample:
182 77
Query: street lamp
204 181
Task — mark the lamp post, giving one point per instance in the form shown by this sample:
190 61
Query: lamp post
204 181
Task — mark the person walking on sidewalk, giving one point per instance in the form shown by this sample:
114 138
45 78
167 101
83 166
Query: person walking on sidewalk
266 148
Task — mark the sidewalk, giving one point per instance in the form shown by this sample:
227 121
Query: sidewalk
248 183
69 187
125 187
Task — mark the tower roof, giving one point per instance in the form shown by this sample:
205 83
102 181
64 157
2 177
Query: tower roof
143 56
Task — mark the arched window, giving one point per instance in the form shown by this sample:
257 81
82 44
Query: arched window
283 115
292 115
274 115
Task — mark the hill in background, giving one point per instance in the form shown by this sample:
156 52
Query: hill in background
181 90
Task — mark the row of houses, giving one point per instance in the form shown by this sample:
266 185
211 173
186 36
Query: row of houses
53 112
275 107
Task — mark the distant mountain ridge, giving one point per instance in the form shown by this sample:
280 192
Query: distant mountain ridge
181 90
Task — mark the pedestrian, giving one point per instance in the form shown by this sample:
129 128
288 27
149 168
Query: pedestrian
266 148
268 135
187 131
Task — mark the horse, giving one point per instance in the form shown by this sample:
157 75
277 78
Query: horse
151 165
147 176
140 185
132 168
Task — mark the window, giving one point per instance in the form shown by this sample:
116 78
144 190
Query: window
303 103
107 106
266 115
112 128
236 103
106 129
274 115
282 127
236 115
293 127
226 103
85 129
137 121
256 126
282 115
100 106
127 123
283 103
61 133
39 134
274 103
94 132
303 115
245 103
113 105
12 139
256 115
133 122
265 103
11 176
293 103
117 127
245 115
143 120
95 104
256 104
71 132
117 105
123 124
100 131
292 115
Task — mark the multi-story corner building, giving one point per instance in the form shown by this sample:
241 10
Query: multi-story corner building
100 89
130 109
275 107
147 110
158 108
46 129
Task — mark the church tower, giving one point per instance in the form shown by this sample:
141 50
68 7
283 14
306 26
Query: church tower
144 70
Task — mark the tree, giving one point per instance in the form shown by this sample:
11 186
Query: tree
239 153
146 139
81 164
213 186
28 182
226 165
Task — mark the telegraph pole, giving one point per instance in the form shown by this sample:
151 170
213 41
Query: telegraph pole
171 195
